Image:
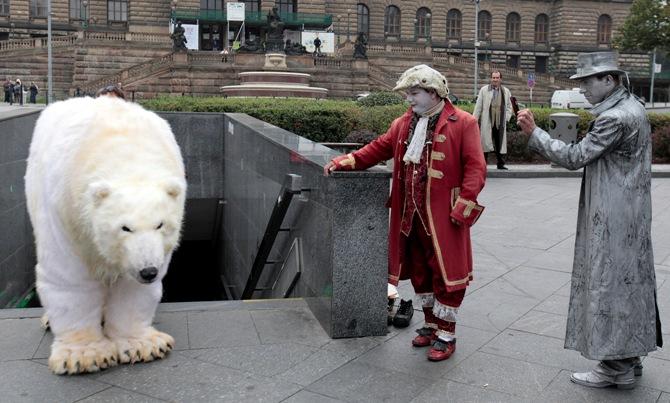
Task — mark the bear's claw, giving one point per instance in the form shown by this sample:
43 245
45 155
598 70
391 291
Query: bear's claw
82 356
151 345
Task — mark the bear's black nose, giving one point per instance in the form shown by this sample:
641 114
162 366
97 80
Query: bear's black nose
148 273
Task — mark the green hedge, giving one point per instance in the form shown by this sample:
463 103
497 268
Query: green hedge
333 121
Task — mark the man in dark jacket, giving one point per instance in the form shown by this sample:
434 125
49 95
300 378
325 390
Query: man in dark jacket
7 86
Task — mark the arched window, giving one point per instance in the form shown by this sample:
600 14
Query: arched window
605 29
484 28
541 28
454 20
513 28
363 19
392 21
422 25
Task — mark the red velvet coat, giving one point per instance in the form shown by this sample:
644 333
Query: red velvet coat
456 175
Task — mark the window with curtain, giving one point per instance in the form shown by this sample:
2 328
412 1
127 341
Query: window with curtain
423 23
117 10
4 7
454 22
250 6
211 4
484 28
38 8
513 28
604 29
541 28
392 21
76 10
363 24
287 6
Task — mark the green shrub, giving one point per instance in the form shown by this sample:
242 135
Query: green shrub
321 121
660 144
338 121
382 98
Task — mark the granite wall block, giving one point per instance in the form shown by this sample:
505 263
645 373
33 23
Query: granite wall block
17 255
340 220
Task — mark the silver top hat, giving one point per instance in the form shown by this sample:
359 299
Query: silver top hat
589 64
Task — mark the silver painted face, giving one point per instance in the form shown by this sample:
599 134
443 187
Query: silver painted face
421 100
596 89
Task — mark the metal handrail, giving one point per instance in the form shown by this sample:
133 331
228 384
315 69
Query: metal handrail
292 185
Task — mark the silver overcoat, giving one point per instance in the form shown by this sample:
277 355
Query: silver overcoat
612 312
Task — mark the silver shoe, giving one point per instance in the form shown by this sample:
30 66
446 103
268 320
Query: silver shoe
637 366
602 376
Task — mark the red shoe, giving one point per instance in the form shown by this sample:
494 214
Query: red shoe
441 350
425 338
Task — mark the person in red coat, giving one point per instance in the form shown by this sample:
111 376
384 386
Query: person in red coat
438 171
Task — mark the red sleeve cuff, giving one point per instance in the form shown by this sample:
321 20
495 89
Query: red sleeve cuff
466 212
345 162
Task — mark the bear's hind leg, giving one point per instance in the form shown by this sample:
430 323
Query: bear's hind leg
128 316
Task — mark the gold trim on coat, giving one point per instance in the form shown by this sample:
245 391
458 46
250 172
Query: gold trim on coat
455 193
441 138
434 173
348 161
436 155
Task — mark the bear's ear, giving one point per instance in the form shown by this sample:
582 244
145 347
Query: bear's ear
174 187
99 191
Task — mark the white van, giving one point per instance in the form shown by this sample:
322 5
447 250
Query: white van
569 99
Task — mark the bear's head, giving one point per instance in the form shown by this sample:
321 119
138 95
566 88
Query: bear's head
135 227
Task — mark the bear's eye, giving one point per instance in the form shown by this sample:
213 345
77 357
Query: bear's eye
160 225
126 229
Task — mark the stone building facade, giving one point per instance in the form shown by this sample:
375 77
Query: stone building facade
535 35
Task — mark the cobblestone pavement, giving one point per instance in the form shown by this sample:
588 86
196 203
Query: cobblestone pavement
510 332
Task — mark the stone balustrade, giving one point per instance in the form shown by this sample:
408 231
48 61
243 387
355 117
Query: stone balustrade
33 43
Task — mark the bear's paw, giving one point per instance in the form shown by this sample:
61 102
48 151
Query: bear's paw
150 345
82 356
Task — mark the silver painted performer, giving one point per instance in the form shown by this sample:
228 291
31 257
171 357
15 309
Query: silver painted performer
613 316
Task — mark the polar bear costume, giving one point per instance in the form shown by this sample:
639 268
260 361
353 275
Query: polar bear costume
105 189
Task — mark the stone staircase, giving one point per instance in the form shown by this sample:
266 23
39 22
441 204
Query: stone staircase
145 65
388 61
79 58
31 65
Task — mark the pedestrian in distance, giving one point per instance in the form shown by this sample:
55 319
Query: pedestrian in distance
493 110
317 46
8 88
34 90
18 92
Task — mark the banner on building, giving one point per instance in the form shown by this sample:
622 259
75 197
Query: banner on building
327 41
191 33
235 11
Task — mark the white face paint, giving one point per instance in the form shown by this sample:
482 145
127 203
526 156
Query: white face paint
596 90
421 100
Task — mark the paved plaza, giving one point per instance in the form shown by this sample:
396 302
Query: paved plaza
510 332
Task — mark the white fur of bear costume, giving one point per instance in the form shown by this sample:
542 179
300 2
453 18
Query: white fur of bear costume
105 189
